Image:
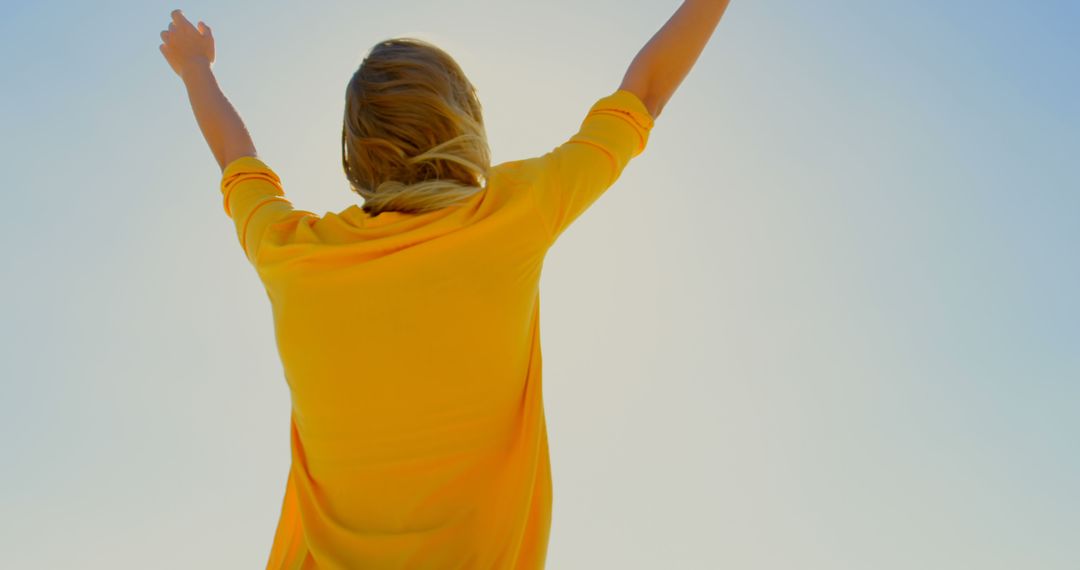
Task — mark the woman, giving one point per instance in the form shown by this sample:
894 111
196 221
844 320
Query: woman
408 328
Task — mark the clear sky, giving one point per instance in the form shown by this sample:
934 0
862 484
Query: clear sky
829 319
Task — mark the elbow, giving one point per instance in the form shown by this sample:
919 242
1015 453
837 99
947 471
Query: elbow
638 86
654 106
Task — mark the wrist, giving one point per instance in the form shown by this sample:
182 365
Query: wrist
195 68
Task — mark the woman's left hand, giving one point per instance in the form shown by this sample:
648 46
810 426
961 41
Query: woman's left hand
185 45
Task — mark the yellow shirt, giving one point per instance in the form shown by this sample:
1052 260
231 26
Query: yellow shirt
410 345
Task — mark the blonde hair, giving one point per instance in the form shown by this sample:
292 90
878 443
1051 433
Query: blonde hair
413 138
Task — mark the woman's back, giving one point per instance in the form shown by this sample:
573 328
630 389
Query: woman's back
411 347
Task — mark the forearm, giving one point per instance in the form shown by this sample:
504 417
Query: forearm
221 125
662 64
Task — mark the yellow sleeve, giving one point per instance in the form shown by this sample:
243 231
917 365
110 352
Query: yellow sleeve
573 175
254 198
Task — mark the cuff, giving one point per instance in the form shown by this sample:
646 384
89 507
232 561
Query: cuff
246 168
629 107
629 104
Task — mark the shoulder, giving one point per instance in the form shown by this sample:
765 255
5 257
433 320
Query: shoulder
514 172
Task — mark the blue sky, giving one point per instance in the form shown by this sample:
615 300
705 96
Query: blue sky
828 319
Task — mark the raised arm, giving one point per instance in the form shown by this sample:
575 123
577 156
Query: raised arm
252 193
660 66
190 53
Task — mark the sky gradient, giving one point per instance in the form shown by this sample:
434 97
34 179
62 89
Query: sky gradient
827 320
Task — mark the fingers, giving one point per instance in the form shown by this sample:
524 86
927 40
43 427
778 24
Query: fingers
180 23
180 20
